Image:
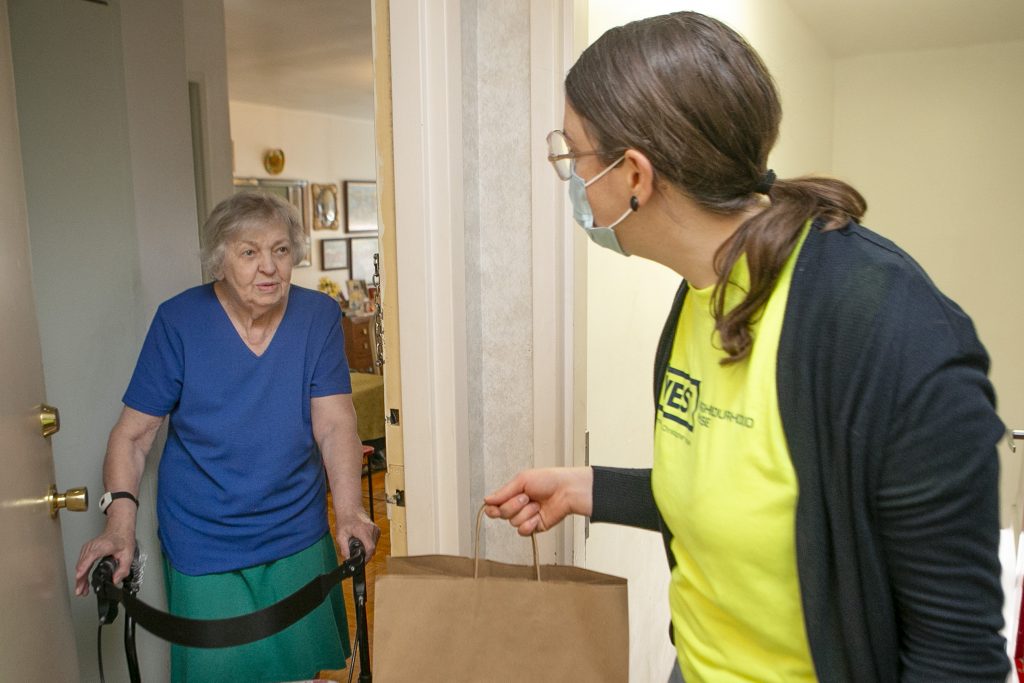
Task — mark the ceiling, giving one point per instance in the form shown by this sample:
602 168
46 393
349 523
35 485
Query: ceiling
316 55
858 27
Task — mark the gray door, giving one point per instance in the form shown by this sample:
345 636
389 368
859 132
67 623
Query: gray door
36 636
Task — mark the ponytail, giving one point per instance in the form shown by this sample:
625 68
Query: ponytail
768 239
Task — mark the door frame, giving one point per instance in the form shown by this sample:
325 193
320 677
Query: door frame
388 305
426 104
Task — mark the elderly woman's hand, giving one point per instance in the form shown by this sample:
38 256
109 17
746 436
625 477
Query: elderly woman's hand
118 540
536 500
354 523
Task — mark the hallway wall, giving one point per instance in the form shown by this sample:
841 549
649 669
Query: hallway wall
499 252
934 142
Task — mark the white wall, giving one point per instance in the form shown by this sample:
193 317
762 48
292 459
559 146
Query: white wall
628 300
163 187
499 253
319 148
933 139
207 64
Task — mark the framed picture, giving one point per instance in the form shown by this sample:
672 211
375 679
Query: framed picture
294 191
324 205
360 206
360 257
333 254
356 293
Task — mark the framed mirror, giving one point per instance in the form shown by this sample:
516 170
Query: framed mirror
324 203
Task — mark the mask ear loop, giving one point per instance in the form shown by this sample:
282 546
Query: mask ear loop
607 169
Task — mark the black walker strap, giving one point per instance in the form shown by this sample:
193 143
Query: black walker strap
210 633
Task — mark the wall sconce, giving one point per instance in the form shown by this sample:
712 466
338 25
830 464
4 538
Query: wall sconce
273 161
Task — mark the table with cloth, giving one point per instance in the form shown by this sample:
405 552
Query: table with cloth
368 398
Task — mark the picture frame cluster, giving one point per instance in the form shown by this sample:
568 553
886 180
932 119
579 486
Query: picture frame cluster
353 250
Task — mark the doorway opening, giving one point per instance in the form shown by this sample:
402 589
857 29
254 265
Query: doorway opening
309 115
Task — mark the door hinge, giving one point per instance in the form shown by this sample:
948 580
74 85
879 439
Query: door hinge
392 418
397 499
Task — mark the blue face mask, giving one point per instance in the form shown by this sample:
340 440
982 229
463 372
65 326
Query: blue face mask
584 215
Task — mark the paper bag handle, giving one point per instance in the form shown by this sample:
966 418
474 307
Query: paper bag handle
476 547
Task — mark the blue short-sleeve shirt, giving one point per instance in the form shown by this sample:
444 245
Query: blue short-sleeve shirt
241 482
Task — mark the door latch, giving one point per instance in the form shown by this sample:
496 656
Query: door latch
75 500
49 420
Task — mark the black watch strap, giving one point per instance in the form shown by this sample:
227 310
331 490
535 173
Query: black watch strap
110 496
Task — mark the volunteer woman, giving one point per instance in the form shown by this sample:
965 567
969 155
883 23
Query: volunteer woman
825 468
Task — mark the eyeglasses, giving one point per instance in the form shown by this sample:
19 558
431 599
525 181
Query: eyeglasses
561 157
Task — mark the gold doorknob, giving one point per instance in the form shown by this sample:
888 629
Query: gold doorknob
75 500
49 418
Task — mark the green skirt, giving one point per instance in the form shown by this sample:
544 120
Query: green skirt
317 641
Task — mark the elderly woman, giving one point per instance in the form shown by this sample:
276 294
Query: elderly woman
252 373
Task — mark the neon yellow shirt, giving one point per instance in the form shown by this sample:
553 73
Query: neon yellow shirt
725 485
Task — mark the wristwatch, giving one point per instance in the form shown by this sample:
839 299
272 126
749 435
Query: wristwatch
109 497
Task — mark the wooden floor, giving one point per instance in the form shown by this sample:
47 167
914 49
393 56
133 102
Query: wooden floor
373 569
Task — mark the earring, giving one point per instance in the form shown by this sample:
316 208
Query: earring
634 203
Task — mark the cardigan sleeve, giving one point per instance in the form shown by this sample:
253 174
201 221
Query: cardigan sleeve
938 513
624 496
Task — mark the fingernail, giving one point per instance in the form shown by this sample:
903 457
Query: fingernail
524 500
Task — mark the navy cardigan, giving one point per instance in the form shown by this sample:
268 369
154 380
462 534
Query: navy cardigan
891 426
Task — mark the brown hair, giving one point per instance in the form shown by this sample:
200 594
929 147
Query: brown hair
691 95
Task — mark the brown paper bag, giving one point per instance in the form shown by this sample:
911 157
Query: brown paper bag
433 621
